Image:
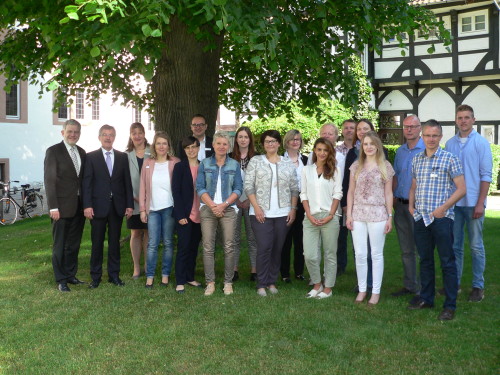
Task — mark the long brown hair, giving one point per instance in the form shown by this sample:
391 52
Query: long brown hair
164 135
331 162
130 144
379 156
236 155
356 128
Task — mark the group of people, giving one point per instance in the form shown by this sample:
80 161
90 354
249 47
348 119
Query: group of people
207 192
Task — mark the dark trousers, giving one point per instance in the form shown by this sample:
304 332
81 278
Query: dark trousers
438 234
342 246
295 235
188 240
270 236
67 236
113 224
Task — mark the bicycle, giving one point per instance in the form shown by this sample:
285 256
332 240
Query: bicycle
32 203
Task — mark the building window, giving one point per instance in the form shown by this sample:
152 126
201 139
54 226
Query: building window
80 105
95 109
137 115
150 122
475 22
62 111
12 103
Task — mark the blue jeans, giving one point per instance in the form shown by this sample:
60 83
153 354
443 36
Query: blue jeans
160 226
463 216
438 234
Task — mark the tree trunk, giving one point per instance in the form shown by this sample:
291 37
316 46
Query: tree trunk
186 82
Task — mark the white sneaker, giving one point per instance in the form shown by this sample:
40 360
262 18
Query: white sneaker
313 293
262 292
324 295
273 290
210 289
228 289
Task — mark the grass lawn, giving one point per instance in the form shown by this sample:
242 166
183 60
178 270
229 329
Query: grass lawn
131 330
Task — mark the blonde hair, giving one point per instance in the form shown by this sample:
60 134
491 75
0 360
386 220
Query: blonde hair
379 156
164 135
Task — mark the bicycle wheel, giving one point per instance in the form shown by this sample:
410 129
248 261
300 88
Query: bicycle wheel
8 211
33 204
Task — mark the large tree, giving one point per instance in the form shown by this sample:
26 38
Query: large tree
197 54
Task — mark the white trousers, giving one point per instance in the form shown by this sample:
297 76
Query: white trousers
375 232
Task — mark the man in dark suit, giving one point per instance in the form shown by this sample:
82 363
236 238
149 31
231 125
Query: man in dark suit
63 168
107 197
198 128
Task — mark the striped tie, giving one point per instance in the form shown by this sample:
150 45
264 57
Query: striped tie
75 160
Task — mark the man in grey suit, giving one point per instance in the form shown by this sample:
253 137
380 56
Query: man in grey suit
63 168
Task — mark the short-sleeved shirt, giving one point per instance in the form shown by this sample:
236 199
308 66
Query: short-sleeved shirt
369 195
435 184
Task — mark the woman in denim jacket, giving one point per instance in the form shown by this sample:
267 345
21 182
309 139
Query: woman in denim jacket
272 188
218 185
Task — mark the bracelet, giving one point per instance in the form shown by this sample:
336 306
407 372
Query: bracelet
390 215
226 202
294 207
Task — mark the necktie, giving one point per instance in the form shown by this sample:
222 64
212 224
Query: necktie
108 162
75 160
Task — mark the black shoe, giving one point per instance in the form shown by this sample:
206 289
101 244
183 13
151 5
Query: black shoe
63 287
447 314
75 281
94 284
164 284
476 295
402 292
117 281
418 303
340 271
287 280
148 286
300 277
236 276
253 276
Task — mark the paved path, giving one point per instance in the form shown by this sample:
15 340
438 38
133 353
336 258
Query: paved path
493 203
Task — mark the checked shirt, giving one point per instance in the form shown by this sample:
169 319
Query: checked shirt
435 184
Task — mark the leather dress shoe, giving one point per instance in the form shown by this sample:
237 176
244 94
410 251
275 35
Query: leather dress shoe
75 281
94 284
418 303
117 281
447 314
63 287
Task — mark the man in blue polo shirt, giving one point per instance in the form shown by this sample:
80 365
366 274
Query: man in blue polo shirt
474 152
403 220
435 174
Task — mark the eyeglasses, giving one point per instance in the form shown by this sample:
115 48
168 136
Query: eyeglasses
410 127
200 125
271 142
296 140
432 136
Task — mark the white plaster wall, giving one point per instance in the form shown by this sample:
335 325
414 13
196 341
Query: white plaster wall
473 44
439 65
468 63
386 69
485 102
395 101
25 144
227 117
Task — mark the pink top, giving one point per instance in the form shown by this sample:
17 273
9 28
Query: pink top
369 196
195 210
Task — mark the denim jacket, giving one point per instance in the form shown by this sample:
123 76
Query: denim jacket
208 174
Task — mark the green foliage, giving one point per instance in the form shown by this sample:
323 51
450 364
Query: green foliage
391 151
274 51
308 122
495 184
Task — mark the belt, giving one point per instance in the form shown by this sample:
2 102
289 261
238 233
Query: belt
404 201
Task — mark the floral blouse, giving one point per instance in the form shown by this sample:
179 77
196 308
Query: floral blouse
369 196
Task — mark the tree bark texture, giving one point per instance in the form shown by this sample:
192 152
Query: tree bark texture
186 82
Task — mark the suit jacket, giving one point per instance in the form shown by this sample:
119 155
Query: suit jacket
98 186
61 181
182 190
135 174
209 149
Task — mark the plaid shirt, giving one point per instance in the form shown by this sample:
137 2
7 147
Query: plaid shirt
343 149
435 184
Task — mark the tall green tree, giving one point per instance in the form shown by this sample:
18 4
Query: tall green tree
197 54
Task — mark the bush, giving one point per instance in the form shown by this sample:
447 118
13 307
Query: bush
495 184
